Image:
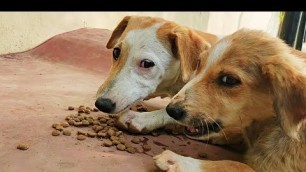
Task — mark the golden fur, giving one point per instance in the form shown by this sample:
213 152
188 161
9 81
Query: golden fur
268 105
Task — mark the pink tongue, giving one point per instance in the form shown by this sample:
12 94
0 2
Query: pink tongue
192 129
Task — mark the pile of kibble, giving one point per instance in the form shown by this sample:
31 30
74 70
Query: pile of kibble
103 128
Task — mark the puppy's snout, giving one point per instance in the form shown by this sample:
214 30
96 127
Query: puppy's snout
105 105
175 111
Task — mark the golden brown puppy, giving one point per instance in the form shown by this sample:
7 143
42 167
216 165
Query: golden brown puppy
253 81
151 57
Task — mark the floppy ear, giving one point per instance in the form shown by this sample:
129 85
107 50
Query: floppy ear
187 45
288 82
118 32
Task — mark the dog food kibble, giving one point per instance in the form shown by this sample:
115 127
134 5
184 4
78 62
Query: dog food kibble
116 142
22 147
55 125
146 147
120 147
118 133
78 124
56 133
107 142
131 150
67 132
81 137
98 128
114 138
71 122
95 110
85 123
81 111
87 111
102 134
111 132
76 119
70 108
135 140
81 133
81 106
81 118
91 134
64 124
95 122
202 155
59 128
121 140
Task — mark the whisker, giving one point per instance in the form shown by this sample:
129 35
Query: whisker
219 127
207 131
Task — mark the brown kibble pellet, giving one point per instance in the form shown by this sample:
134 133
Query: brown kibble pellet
81 137
56 133
95 122
67 118
22 147
118 133
111 132
81 106
71 122
135 140
107 142
70 108
102 134
202 155
91 134
121 140
131 150
98 128
87 111
55 125
114 138
90 121
59 128
146 147
81 111
81 118
81 133
78 124
67 132
77 120
89 108
102 120
121 147
116 142
64 124
85 123
96 110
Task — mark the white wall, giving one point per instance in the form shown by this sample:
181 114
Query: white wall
20 31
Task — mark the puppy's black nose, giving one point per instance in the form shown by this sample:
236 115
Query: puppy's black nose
105 105
175 111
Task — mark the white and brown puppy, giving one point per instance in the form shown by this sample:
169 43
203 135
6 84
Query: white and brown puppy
253 81
151 57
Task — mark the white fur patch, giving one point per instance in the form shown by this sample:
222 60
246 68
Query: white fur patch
134 83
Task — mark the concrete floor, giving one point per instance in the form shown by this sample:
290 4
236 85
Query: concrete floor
37 86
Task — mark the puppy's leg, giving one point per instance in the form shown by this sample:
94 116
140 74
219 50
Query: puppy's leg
143 122
172 162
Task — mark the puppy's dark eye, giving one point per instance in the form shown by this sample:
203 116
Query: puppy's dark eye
228 80
146 63
116 53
